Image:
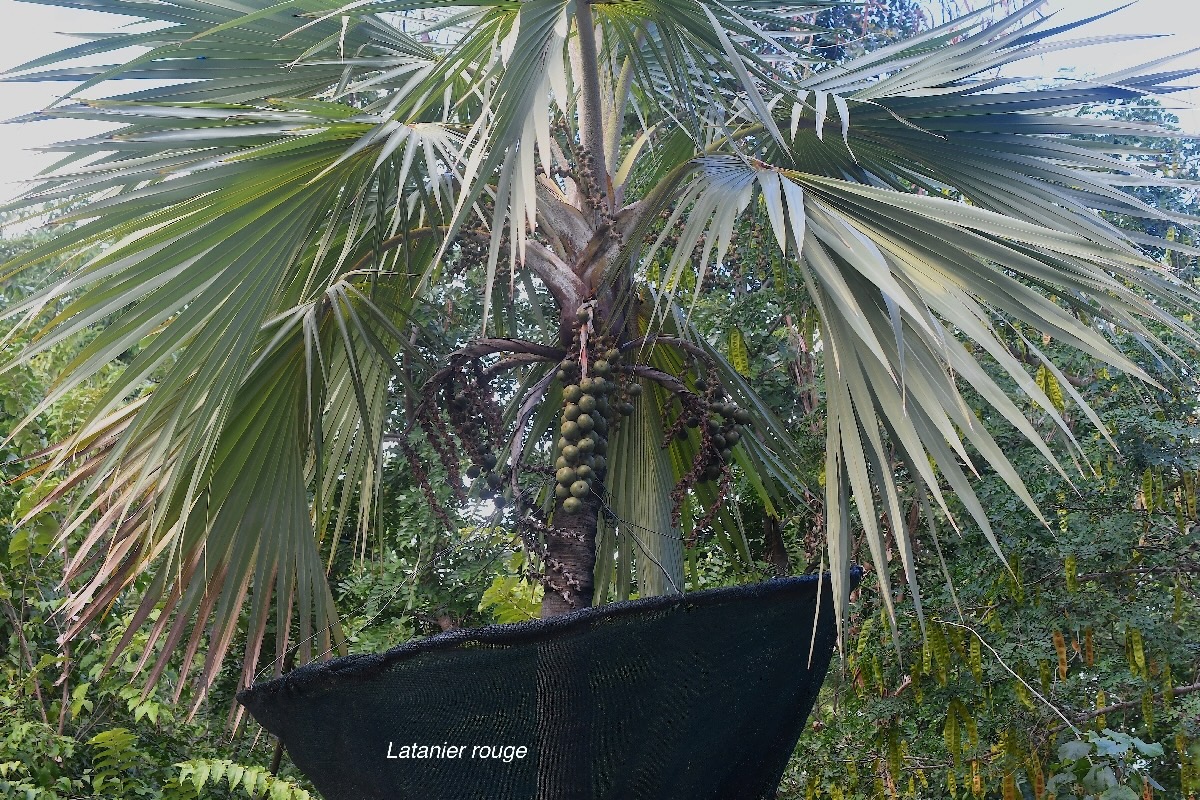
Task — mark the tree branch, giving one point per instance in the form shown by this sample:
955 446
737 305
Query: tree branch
393 243
1178 690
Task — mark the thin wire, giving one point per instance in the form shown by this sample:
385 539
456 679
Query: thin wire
641 545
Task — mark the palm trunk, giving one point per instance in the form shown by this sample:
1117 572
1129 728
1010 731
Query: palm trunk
570 561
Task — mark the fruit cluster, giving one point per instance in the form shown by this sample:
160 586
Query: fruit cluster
591 406
721 419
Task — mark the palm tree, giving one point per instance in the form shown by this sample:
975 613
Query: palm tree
270 233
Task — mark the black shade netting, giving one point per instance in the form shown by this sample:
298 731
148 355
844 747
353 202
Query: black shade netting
666 698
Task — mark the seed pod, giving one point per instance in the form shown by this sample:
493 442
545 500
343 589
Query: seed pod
587 404
1060 648
572 411
585 423
572 505
580 488
572 393
586 445
566 476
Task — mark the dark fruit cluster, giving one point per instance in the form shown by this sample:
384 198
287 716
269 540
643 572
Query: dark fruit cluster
719 420
723 433
474 415
592 405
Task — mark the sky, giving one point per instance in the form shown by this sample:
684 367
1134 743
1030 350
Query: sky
28 30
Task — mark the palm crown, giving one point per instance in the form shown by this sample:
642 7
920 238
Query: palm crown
266 236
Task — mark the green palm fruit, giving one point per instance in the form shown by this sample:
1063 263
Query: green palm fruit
566 476
572 411
572 505
570 430
587 403
580 488
612 354
562 491
585 423
602 367
586 445
572 393
584 472
570 453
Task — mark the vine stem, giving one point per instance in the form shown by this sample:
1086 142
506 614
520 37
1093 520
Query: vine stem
1010 671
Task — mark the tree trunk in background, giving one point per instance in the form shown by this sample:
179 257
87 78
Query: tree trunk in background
777 555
